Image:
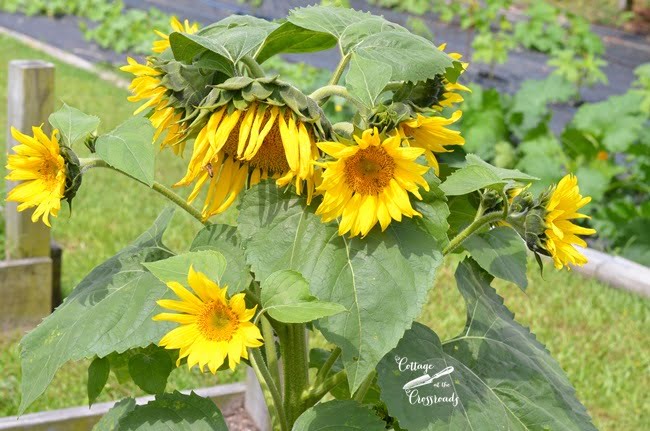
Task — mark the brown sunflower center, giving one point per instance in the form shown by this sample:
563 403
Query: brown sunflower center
369 171
48 172
270 157
217 322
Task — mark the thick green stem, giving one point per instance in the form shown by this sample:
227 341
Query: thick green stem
253 66
271 352
325 92
318 391
471 229
90 163
339 70
269 388
296 369
360 394
327 366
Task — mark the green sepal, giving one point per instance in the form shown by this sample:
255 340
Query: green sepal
388 117
421 95
72 174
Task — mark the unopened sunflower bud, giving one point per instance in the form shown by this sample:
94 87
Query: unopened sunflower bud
490 199
90 141
387 117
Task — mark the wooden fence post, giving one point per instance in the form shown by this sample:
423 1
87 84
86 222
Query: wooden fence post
26 277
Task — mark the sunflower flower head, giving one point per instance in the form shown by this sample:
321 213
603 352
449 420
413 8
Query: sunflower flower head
561 207
48 171
431 134
212 326
162 44
369 182
165 88
250 130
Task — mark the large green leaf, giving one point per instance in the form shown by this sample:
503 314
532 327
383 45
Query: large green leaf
223 238
176 268
150 368
231 38
366 79
109 311
290 39
501 252
286 298
411 57
477 174
129 148
434 209
382 278
326 19
337 415
73 124
175 411
502 377
97 377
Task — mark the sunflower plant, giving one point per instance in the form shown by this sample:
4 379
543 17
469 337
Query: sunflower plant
340 231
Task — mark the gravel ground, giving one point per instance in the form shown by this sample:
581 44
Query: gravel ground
237 418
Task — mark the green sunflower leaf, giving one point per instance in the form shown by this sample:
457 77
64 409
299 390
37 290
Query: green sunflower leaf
384 277
337 415
98 372
477 174
129 148
223 238
366 79
286 298
502 253
291 39
493 376
73 124
175 411
109 311
150 368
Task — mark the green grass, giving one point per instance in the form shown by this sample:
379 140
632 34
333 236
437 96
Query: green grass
599 335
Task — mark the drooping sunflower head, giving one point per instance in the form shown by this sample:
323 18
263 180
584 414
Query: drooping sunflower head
370 182
212 326
431 134
162 44
47 172
171 90
252 130
561 207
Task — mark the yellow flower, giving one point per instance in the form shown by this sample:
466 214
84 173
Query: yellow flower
147 85
162 44
430 134
368 183
38 162
561 233
212 326
242 147
450 95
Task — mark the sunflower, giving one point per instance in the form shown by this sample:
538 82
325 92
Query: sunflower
561 234
238 147
450 95
369 182
430 134
212 326
38 162
148 85
163 44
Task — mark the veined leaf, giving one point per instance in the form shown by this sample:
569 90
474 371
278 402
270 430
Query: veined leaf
110 421
73 124
477 174
109 311
336 415
173 411
366 79
286 298
97 377
496 374
290 39
358 31
129 148
502 253
326 19
411 57
223 238
382 278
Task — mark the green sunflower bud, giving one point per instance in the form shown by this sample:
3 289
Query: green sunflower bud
387 117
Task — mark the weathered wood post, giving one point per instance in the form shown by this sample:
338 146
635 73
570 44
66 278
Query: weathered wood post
26 276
